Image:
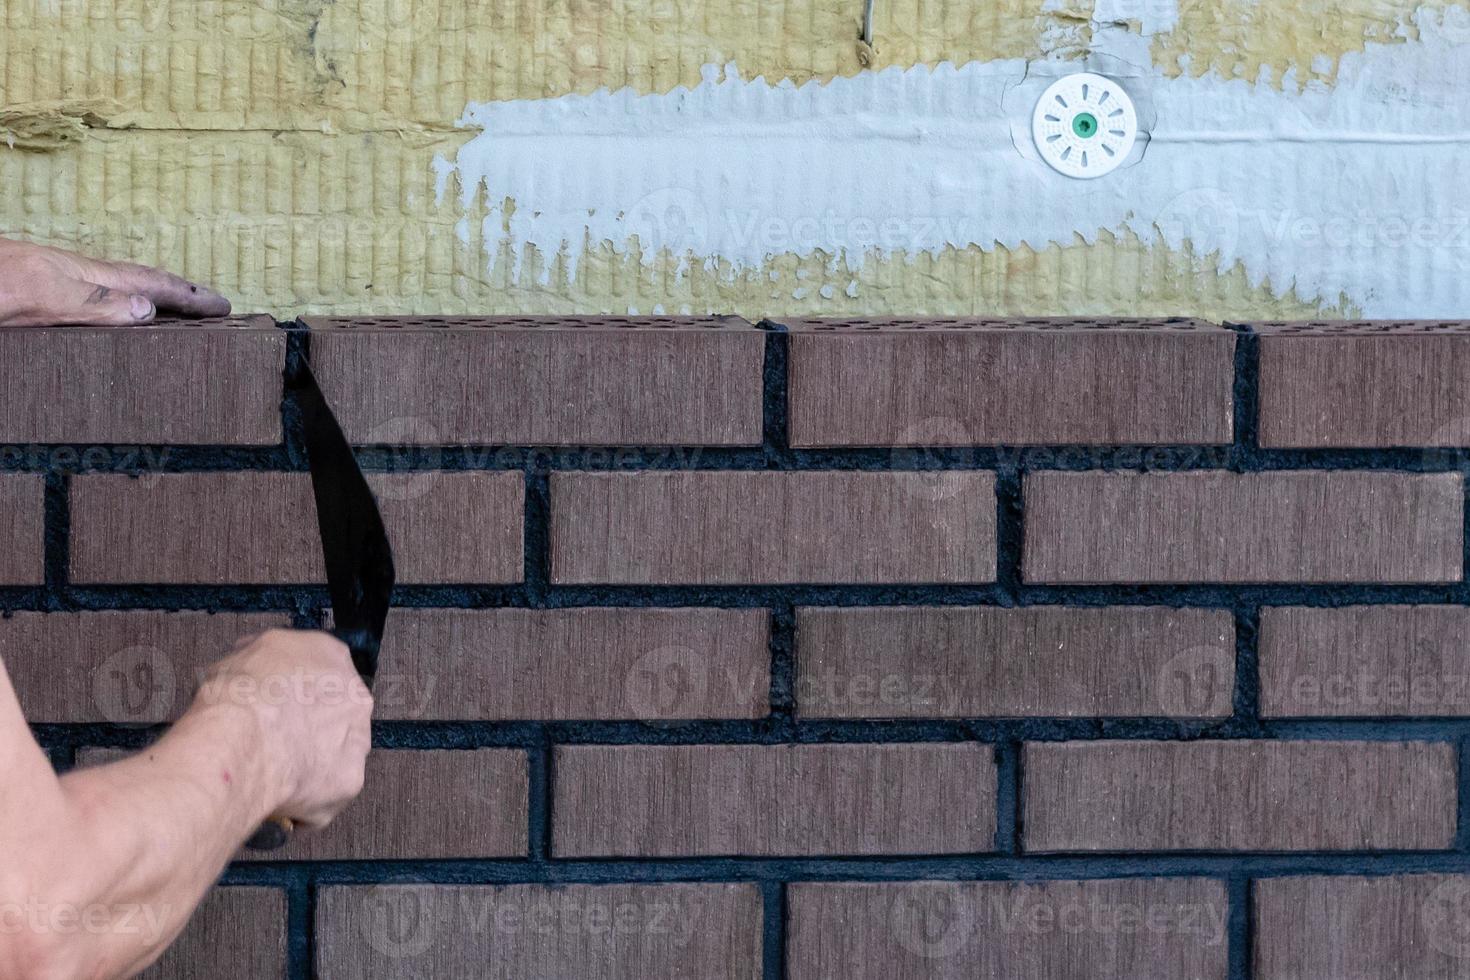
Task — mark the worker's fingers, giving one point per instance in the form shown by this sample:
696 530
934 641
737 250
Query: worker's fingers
74 302
168 292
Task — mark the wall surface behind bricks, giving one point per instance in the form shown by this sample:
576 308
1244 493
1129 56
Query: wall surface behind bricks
817 649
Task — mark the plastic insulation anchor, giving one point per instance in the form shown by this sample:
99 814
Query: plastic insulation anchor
1084 125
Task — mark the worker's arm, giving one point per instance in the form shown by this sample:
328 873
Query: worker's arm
42 287
100 869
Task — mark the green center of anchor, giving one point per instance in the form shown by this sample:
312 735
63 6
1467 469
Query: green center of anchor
1084 124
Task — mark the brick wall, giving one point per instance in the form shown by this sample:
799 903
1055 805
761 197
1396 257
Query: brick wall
856 650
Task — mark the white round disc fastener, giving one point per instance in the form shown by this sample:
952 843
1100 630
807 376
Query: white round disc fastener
1084 125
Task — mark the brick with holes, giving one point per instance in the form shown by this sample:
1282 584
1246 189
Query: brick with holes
194 382
894 381
1364 384
543 380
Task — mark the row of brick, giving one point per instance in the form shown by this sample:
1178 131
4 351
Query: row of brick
894 799
623 663
747 527
1107 929
682 381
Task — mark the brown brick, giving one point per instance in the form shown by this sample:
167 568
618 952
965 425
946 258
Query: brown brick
952 930
417 804
247 528
1239 796
1410 926
939 382
769 800
200 382
120 667
595 663
532 381
539 932
1365 661
424 804
1364 384
22 529
238 933
751 527
1253 527
918 662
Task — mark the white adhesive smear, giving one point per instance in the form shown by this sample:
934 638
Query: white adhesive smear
1360 192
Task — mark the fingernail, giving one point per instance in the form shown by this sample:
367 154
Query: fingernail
142 308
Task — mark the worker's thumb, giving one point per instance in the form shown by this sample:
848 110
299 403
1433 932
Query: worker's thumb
83 303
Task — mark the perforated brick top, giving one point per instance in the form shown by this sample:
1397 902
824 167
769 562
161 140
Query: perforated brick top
595 322
926 324
243 321
1360 327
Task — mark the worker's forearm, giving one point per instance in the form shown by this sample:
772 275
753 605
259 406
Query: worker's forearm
135 845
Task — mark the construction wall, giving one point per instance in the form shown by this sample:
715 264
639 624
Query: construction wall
757 158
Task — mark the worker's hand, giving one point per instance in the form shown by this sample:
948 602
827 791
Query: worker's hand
48 287
315 714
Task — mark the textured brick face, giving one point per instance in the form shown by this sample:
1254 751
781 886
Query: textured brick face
239 933
119 667
416 804
945 930
1254 527
1365 661
218 528
1400 926
904 382
706 711
533 932
648 801
426 804
21 529
1364 385
504 664
741 527
920 662
1239 795
209 382
542 381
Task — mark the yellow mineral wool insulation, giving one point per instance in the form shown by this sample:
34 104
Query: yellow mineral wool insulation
395 65
1241 38
43 126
